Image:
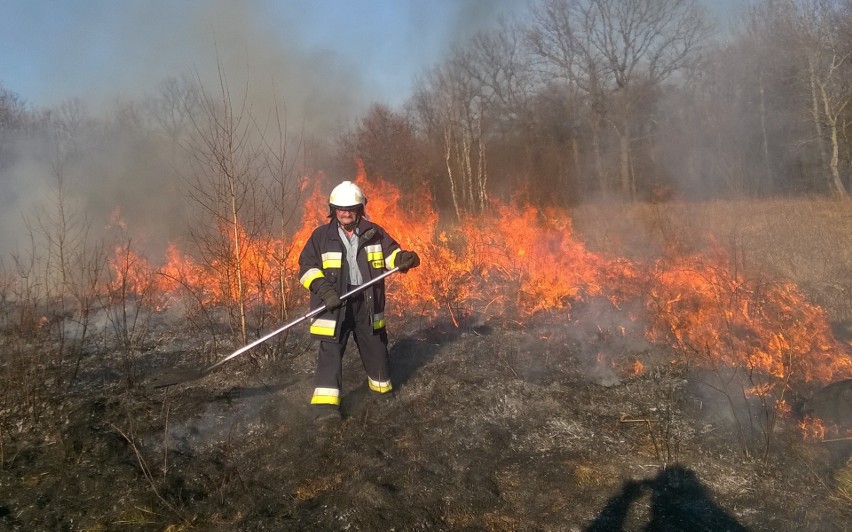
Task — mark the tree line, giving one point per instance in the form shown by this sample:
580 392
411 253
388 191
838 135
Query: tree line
637 100
570 101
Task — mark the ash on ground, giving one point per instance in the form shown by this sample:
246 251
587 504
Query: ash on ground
548 425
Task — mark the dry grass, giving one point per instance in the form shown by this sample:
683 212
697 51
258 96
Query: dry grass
807 241
586 476
312 487
843 480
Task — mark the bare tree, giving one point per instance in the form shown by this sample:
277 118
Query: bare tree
68 126
502 69
559 37
130 301
176 101
386 143
227 189
14 116
499 63
451 103
171 109
12 110
827 52
73 268
795 61
48 300
616 52
243 183
281 164
761 57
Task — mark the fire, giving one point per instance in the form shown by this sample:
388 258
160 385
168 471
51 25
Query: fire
515 261
215 283
722 318
637 367
812 429
132 273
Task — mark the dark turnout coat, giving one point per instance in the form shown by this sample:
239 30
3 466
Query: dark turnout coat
324 256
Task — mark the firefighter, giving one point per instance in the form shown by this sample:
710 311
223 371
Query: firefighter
339 256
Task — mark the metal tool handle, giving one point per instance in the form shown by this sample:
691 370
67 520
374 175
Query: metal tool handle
297 321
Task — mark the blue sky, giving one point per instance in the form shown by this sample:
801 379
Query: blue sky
99 50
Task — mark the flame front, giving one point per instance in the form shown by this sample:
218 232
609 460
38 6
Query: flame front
516 260
703 308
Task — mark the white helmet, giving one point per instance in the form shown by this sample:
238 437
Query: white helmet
347 194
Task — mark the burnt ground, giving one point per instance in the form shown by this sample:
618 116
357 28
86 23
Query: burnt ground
494 426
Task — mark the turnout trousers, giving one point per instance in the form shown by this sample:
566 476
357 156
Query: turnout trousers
373 348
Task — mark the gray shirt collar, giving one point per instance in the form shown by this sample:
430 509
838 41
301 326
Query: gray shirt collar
351 248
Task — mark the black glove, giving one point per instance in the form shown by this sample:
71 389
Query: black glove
328 294
405 260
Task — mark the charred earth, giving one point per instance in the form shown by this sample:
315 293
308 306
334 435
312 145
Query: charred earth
494 425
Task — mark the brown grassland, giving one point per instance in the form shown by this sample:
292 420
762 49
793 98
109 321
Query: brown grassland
495 424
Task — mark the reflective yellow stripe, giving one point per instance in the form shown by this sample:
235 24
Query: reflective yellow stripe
332 259
326 396
310 276
375 254
378 321
379 386
390 262
323 327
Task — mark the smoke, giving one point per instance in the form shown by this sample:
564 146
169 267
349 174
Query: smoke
315 62
17 188
606 335
262 52
109 61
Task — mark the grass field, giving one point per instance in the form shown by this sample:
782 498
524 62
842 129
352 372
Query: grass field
807 241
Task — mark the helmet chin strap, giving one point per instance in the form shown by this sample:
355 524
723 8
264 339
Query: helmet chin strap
351 226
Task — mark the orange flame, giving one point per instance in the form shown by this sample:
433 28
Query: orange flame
812 429
701 306
517 260
638 368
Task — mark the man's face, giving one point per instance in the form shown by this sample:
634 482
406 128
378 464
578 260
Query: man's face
346 215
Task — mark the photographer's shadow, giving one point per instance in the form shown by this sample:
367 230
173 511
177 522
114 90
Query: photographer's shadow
678 502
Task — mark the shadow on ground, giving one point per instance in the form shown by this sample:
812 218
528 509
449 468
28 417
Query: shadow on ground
679 501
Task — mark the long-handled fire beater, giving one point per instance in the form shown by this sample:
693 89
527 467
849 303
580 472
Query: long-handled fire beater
185 375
